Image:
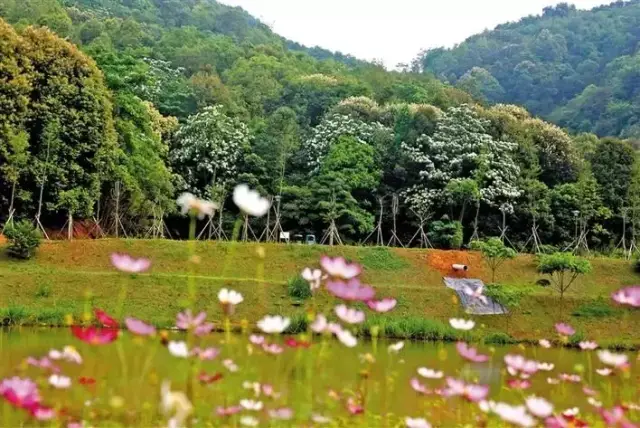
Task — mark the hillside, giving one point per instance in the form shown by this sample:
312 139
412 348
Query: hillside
66 276
579 69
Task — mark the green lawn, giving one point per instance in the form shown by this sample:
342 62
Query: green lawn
68 278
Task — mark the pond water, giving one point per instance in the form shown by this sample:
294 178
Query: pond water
119 383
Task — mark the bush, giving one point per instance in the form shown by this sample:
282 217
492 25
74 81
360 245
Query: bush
298 288
43 291
23 239
499 338
594 309
446 234
299 324
380 258
14 315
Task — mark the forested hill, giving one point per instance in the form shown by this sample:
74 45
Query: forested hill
580 69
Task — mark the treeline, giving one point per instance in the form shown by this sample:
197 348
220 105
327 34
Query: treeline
579 69
146 109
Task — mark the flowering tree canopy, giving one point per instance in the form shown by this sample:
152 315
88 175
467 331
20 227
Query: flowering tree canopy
208 149
459 149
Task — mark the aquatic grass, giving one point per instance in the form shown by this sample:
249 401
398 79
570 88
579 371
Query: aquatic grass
498 338
414 328
15 315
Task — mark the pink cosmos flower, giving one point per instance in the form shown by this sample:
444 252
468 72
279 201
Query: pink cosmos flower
339 268
589 391
539 407
228 411
382 306
283 414
44 363
273 348
519 383
186 321
319 324
353 407
470 353
471 392
588 345
267 390
42 413
138 327
616 418
349 315
419 387
351 291
22 393
256 339
565 329
518 364
95 336
126 263
628 296
106 320
572 378
206 354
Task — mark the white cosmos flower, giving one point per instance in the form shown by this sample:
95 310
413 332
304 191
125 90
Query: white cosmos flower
349 315
250 201
347 338
178 349
59 381
68 354
416 423
611 359
274 324
396 347
539 407
202 208
604 371
320 419
461 324
573 411
544 343
251 404
229 297
319 325
588 346
175 403
230 365
249 421
594 402
429 373
313 277
516 415
547 367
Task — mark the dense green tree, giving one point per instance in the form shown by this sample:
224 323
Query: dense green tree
612 165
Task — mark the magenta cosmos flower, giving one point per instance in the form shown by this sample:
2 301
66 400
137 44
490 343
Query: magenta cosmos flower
384 305
470 353
126 263
351 291
186 321
470 391
22 393
339 268
228 411
95 336
565 329
138 327
628 296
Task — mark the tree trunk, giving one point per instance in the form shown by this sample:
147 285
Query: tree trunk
70 227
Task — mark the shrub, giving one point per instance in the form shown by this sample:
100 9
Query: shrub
381 258
298 288
446 234
563 269
299 324
494 253
43 290
13 315
499 338
23 239
594 309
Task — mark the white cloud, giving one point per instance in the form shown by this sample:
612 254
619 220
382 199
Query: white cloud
392 31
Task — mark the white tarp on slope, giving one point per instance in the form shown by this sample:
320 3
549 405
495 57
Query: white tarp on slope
473 305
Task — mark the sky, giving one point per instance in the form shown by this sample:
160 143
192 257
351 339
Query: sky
392 31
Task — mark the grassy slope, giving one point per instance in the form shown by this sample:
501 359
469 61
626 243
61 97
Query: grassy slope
68 277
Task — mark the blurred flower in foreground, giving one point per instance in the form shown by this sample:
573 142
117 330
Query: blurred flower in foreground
349 315
339 268
138 327
416 423
384 305
176 405
471 354
126 263
249 201
628 296
229 299
429 373
95 336
351 291
611 359
274 324
68 354
313 277
186 321
178 349
59 381
471 392
565 329
201 208
461 324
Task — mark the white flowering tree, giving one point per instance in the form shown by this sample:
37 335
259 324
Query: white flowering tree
208 149
334 126
460 149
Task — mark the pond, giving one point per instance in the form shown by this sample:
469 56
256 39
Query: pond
307 383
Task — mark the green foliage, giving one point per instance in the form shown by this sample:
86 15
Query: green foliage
381 258
43 291
576 67
299 323
14 315
599 308
499 338
563 269
446 234
415 328
298 288
23 238
494 253
508 296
